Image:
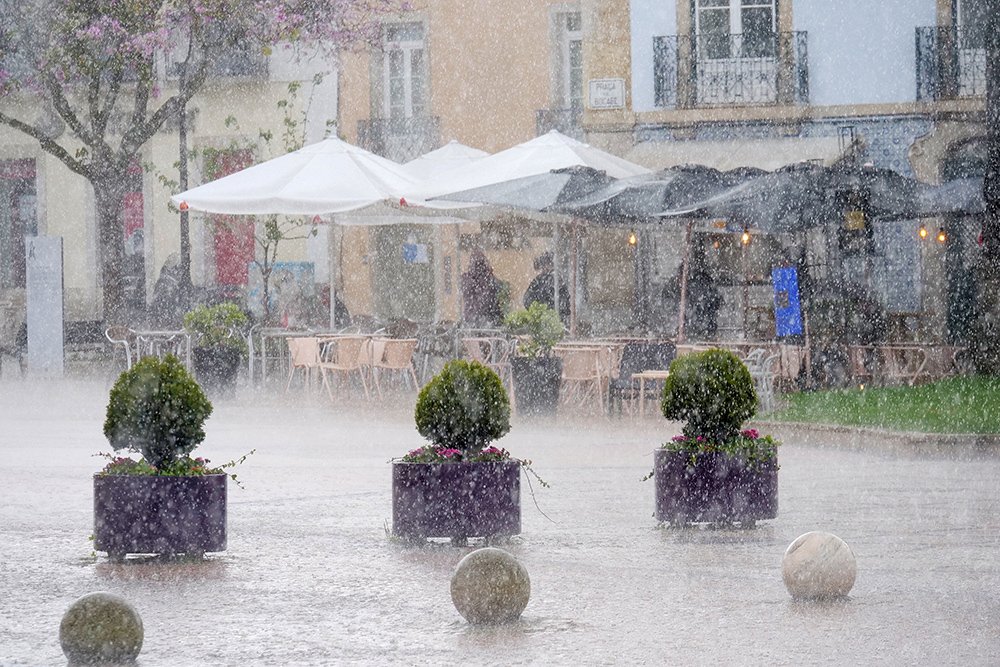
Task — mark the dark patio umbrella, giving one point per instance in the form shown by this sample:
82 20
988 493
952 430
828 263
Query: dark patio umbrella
784 200
962 196
676 189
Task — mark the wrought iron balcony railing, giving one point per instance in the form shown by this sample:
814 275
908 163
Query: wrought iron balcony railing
951 62
730 70
399 139
566 121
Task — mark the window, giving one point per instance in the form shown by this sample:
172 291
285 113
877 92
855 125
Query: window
569 67
405 70
735 28
18 218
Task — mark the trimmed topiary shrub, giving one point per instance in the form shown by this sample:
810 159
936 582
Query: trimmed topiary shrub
711 392
158 410
463 408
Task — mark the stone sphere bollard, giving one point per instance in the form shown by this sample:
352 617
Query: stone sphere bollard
818 565
490 586
101 628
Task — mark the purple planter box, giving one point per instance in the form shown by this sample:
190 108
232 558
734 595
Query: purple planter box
717 488
159 515
456 500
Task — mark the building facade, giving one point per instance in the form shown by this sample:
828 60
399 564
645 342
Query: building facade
770 82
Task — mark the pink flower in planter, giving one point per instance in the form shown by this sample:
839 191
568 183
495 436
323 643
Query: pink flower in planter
750 433
449 452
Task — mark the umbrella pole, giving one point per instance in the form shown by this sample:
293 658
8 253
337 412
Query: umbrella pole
555 269
334 265
574 274
460 317
685 262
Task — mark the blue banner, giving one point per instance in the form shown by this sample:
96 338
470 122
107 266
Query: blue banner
787 311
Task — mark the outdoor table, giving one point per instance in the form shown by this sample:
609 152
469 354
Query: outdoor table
642 377
154 343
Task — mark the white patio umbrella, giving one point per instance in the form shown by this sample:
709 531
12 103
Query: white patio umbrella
537 156
329 176
453 155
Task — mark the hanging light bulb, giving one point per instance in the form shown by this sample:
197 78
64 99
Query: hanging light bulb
922 231
632 239
745 237
716 244
941 236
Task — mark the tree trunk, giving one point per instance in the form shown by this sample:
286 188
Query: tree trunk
111 250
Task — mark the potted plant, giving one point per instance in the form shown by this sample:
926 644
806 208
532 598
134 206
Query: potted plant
536 372
218 348
166 502
458 486
716 471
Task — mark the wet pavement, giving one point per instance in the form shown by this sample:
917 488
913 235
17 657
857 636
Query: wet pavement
311 577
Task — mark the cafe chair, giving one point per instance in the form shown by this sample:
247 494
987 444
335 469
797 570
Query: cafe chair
396 358
303 355
345 356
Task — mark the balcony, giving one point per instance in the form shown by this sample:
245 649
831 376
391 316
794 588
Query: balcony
730 70
951 62
566 121
399 139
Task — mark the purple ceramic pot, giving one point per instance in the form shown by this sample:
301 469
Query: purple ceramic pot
456 500
159 515
715 488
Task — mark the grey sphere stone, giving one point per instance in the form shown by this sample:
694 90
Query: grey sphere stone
101 628
818 565
490 586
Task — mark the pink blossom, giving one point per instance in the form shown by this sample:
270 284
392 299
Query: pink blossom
751 433
448 452
679 438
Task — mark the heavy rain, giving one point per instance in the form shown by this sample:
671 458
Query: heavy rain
441 332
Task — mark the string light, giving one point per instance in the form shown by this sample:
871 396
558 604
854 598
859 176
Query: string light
941 236
745 237
922 231
632 239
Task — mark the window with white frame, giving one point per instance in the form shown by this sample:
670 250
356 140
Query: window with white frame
569 30
404 71
752 21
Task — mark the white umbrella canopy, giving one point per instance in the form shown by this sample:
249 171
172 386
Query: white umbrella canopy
453 155
330 176
537 156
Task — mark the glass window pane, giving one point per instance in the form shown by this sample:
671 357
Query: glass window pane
404 32
713 34
576 73
573 22
758 33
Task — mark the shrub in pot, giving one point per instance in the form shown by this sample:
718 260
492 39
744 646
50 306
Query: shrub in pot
164 502
219 348
537 373
716 470
458 485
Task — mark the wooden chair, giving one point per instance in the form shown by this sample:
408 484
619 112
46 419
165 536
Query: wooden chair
396 357
346 355
303 355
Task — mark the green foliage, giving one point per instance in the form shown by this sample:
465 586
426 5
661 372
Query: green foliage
157 409
538 328
464 407
217 326
967 404
711 392
748 445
